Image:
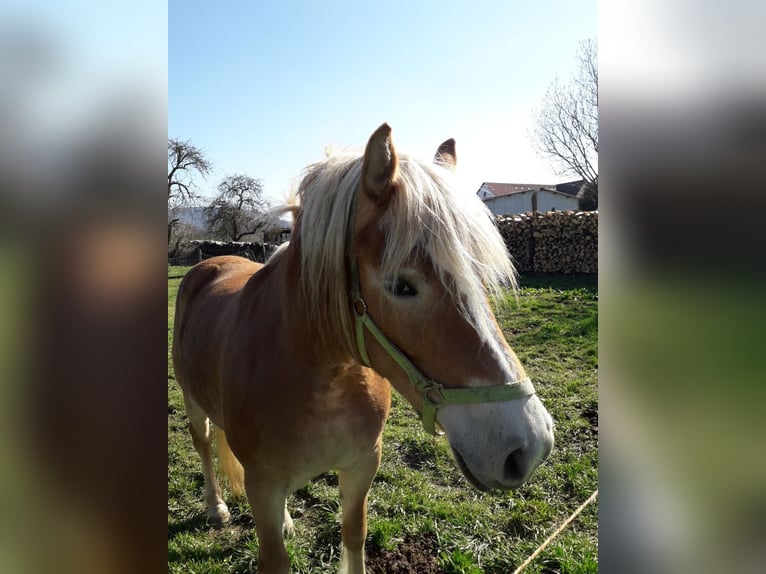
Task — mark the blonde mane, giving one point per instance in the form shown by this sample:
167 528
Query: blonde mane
452 229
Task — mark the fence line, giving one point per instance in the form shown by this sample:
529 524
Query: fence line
552 242
193 252
558 531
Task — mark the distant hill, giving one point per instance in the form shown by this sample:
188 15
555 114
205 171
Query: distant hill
194 216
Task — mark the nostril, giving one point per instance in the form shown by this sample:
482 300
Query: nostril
515 468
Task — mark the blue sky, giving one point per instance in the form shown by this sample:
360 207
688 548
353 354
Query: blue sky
264 87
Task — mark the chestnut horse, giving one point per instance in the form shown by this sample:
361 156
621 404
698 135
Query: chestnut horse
385 281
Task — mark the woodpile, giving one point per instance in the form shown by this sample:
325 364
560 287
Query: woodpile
552 242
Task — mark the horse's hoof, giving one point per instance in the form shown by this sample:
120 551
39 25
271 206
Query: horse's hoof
219 515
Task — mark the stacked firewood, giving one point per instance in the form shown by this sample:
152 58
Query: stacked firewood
552 242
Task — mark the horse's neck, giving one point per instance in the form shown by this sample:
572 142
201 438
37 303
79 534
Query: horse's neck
279 302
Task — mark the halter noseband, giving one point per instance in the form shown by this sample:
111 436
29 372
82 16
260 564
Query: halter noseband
435 395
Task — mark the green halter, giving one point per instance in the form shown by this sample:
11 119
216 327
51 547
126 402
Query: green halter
435 395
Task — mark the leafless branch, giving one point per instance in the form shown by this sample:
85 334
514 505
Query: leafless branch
238 209
184 162
566 126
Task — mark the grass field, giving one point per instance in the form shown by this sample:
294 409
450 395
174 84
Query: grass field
423 515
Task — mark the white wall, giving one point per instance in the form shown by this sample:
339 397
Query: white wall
484 191
548 201
522 202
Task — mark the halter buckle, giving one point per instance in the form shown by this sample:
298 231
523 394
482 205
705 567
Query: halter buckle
434 388
360 306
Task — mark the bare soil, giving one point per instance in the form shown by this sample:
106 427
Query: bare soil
412 556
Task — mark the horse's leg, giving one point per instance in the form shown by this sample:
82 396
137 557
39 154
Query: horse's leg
267 501
289 527
354 484
201 430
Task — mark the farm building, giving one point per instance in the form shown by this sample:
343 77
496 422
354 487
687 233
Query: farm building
509 198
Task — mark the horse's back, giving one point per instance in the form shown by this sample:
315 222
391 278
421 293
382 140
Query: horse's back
228 272
205 303
216 277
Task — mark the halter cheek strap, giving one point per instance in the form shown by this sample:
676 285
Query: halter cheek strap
434 394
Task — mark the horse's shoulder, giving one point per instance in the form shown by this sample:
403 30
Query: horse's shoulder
217 269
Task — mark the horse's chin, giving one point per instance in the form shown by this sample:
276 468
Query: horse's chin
467 472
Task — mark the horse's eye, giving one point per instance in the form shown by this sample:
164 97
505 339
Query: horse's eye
401 288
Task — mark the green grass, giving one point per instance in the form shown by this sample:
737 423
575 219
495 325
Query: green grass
420 506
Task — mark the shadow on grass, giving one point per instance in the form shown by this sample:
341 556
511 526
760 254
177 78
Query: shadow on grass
195 523
240 518
560 281
198 554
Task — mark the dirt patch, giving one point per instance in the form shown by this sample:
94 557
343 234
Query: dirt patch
591 415
412 556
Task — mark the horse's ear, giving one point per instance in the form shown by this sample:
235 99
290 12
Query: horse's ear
446 155
380 168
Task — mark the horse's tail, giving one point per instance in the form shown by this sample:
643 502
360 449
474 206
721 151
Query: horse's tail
229 464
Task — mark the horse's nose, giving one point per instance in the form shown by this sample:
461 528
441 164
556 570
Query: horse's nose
515 469
521 461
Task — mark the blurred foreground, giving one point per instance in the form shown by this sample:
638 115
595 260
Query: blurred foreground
681 344
82 342
83 349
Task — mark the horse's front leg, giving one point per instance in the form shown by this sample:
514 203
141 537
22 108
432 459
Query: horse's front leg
354 483
267 500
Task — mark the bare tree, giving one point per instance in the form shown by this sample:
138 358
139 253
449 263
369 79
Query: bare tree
183 233
184 162
566 126
238 209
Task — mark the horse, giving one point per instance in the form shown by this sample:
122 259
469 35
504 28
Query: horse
386 282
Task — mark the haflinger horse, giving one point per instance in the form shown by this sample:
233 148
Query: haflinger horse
386 280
